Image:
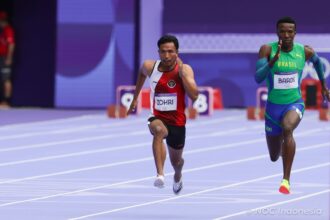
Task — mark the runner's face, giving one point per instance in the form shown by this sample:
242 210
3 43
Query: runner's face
286 32
168 54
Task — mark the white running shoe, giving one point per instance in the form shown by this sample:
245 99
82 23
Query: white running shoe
177 186
159 181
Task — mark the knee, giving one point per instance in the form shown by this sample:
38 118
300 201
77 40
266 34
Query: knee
177 163
159 131
287 131
174 163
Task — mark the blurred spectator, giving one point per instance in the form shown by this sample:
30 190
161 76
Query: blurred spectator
7 46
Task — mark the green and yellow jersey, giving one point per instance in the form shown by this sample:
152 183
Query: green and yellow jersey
285 78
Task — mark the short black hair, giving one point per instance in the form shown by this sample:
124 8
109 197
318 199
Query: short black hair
286 20
168 39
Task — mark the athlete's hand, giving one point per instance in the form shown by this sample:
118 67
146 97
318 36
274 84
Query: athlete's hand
326 94
278 52
277 55
132 107
180 63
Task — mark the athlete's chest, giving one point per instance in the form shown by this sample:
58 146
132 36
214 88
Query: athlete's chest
166 82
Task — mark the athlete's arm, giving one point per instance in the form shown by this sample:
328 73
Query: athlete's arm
144 72
264 65
312 56
187 75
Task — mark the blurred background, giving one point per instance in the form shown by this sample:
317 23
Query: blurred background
75 53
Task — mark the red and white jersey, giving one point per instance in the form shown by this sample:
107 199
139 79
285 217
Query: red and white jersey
6 38
167 96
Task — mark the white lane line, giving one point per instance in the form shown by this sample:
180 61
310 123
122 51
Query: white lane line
215 121
104 125
198 192
120 163
103 116
205 149
115 148
53 121
151 177
72 141
144 144
70 130
41 145
247 212
123 134
111 136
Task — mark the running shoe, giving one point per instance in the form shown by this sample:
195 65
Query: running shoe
159 181
177 187
285 187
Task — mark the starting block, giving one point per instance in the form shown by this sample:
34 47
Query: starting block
145 98
124 98
324 113
254 113
116 111
217 98
311 92
204 105
258 112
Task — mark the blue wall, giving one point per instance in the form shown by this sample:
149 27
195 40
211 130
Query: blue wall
35 22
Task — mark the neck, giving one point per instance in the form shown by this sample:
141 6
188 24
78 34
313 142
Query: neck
287 49
164 68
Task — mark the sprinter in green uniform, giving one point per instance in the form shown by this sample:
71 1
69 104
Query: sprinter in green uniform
281 64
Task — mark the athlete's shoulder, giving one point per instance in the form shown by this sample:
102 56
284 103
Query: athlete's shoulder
296 44
187 66
309 52
148 63
273 43
148 66
265 51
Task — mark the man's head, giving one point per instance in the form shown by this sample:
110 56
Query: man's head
288 20
286 31
168 39
168 46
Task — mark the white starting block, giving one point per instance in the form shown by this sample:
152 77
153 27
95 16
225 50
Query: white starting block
258 112
204 105
124 98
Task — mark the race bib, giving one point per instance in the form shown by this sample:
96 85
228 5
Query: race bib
166 102
288 81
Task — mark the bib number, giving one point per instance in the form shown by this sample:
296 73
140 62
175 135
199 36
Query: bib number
289 81
166 102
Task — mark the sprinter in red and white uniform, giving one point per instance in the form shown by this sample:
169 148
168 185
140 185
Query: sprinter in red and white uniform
170 80
7 47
